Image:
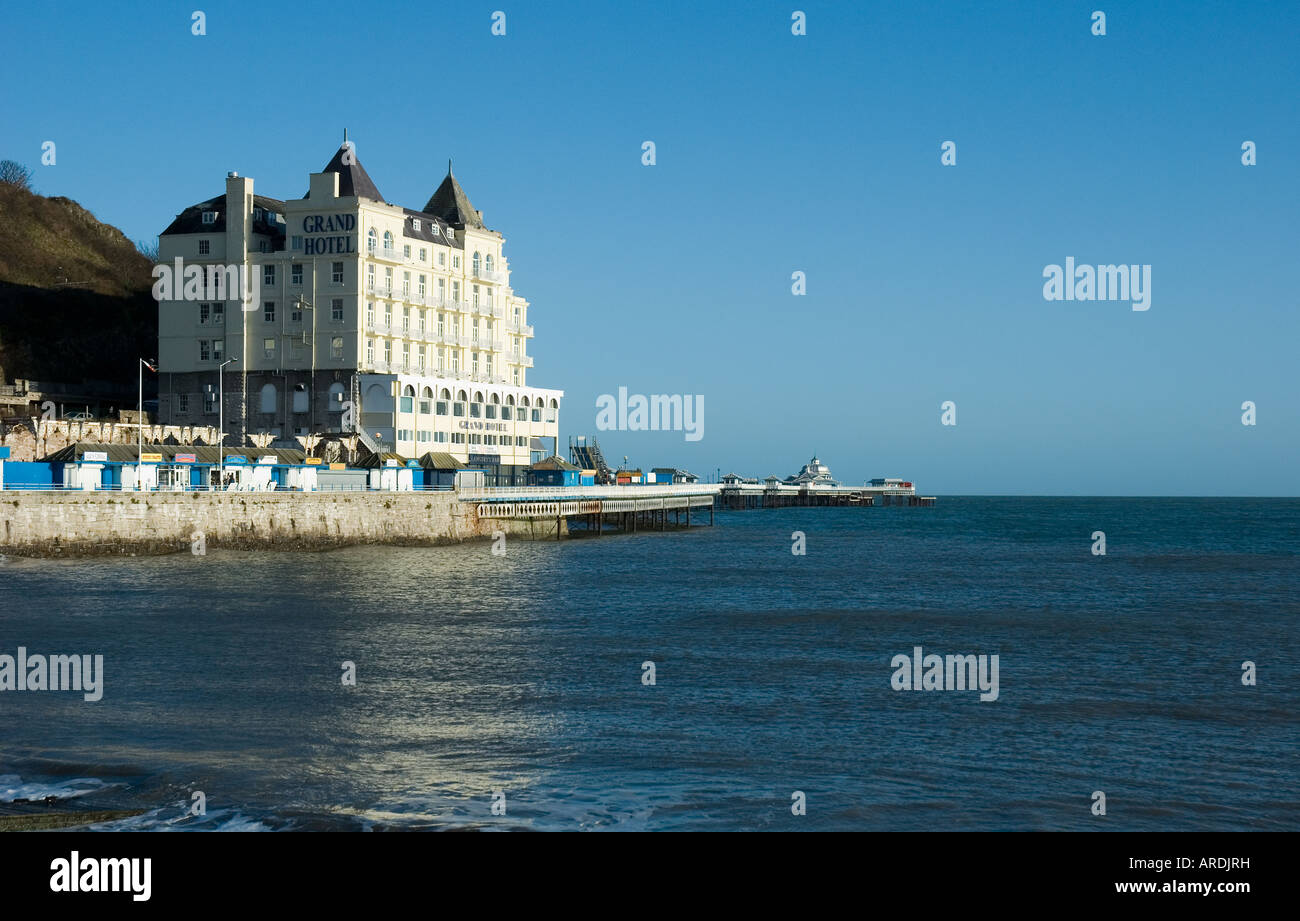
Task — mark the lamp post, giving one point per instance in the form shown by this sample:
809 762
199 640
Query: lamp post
139 425
221 422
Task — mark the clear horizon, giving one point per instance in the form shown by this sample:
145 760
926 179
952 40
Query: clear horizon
778 154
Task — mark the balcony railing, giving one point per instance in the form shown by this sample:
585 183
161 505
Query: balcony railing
490 275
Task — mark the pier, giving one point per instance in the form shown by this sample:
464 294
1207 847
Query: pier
738 496
596 508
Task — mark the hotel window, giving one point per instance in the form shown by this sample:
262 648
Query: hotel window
205 247
203 314
477 262
295 274
415 223
388 281
426 435
476 295
336 347
474 361
440 325
268 274
458 408
403 434
517 316
458 438
218 349
408 401
489 262
537 415
371 242
218 314
475 410
295 243
434 228
441 407
370 351
455 262
406 252
388 351
442 259
388 243
476 439
421 288
514 345
552 414
487 364
370 277
442 290
506 412
388 316
424 254
419 363
491 411
440 359
455 361
268 348
370 314
455 291
184 401
406 354
440 437
268 311
336 309
520 441
514 374
210 402
205 350
336 275
406 284
475 329
295 315
209 217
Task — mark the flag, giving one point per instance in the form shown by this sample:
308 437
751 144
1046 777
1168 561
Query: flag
149 365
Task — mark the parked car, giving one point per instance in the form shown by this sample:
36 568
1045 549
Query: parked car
79 417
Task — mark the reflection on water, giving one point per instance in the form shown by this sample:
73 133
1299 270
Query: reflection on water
522 674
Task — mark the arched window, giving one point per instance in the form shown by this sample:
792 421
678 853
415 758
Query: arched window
489 262
372 240
510 400
427 394
268 398
300 396
388 241
445 395
408 399
460 396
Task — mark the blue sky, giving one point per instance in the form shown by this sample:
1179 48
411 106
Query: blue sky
778 153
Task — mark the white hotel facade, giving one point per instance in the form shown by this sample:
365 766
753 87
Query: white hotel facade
396 324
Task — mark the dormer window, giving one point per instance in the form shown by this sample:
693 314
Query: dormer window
209 217
415 223
435 230
257 214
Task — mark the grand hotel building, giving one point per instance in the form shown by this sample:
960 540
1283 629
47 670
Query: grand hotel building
398 325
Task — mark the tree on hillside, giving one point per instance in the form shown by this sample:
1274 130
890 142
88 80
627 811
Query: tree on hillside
14 173
148 249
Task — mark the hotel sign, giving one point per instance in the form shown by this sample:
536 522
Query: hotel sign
483 426
341 225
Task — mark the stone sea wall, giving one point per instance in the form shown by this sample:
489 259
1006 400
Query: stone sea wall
114 523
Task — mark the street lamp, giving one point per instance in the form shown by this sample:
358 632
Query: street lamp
139 424
221 422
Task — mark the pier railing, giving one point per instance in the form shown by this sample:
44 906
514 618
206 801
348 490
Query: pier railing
577 493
